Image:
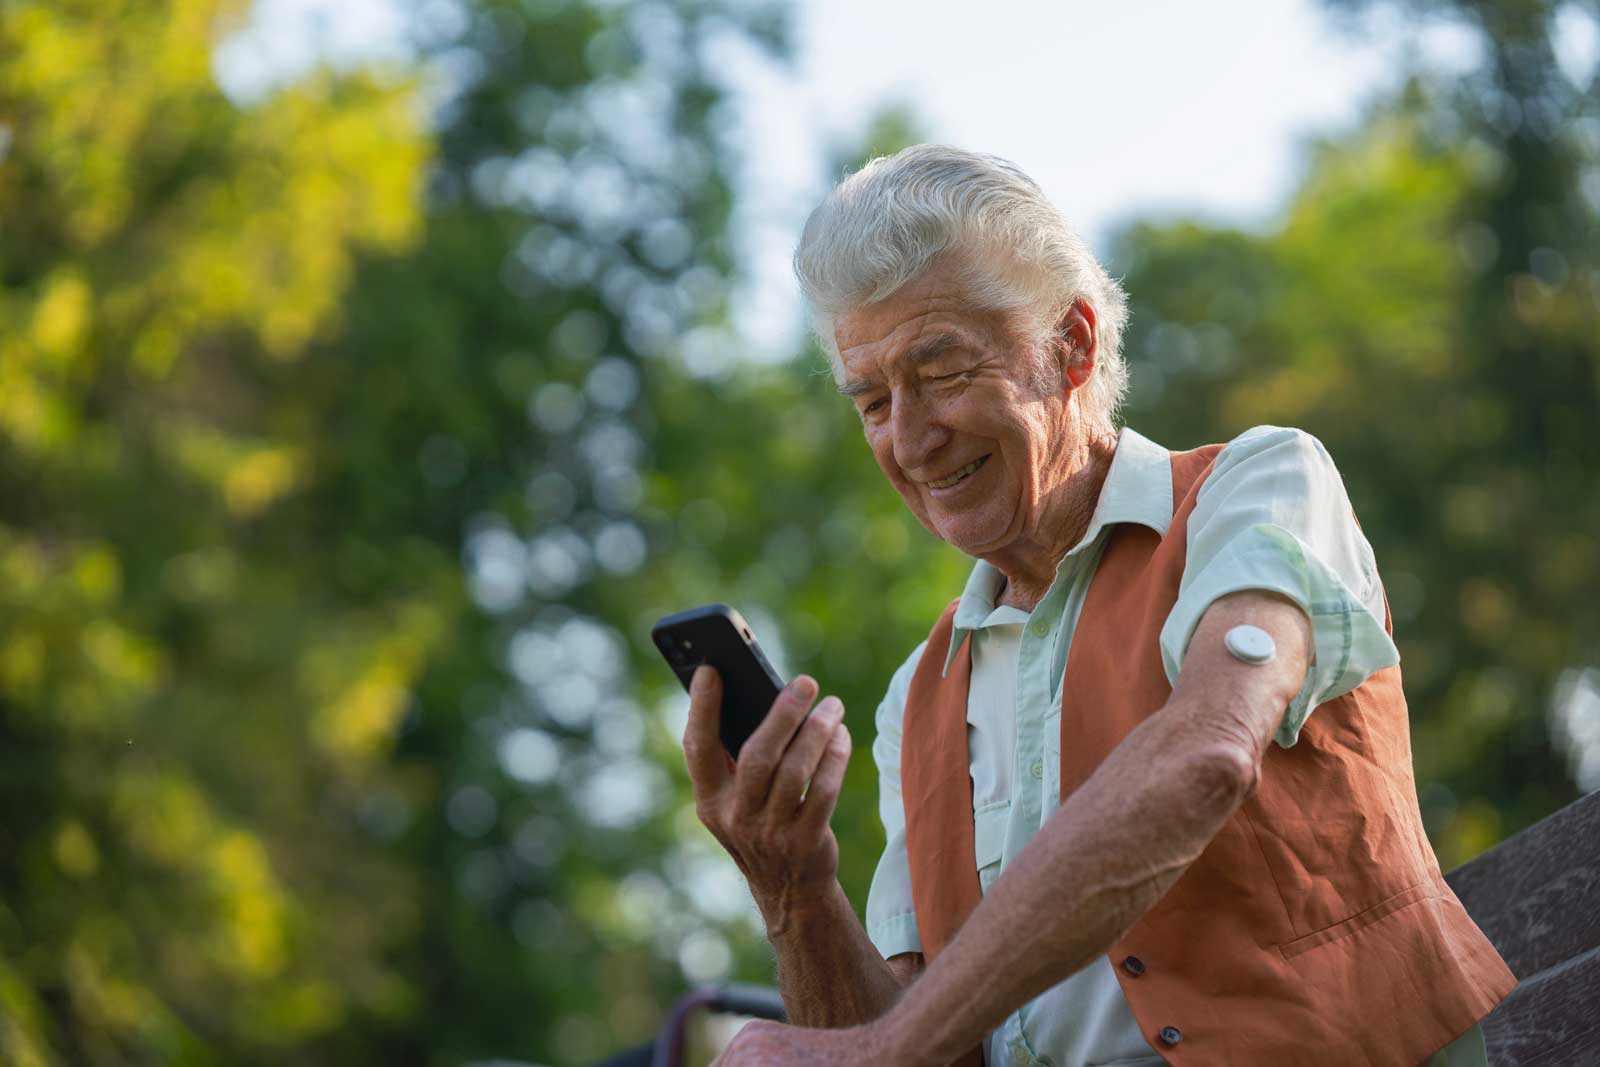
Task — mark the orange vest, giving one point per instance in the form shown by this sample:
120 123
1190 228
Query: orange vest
1315 929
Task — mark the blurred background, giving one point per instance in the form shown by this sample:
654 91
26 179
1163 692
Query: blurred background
373 374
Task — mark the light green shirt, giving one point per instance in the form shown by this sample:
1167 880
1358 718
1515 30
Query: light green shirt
1272 515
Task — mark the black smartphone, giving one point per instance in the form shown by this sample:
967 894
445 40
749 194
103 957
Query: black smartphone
718 635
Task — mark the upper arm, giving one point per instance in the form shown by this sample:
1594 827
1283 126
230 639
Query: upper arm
1273 516
1232 708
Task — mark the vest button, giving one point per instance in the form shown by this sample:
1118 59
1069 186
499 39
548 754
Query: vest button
1170 1035
1133 965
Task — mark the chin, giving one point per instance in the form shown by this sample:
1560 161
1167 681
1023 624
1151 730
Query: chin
974 538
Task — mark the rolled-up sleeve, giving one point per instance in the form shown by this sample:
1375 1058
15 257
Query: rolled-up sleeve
891 920
1274 515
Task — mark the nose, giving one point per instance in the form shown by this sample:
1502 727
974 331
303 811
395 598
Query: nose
918 434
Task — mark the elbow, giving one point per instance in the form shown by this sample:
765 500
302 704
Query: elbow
1220 777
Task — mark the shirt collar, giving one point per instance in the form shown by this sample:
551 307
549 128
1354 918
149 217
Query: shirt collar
1138 488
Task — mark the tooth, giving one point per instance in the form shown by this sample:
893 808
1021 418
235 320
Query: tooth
946 483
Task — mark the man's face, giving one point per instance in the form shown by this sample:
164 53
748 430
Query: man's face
949 405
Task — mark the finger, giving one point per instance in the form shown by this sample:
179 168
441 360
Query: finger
800 760
826 783
702 735
758 759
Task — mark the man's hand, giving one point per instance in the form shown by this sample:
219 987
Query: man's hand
764 1044
775 826
783 843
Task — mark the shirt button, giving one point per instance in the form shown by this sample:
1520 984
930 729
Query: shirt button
1133 965
1170 1035
1040 628
1037 770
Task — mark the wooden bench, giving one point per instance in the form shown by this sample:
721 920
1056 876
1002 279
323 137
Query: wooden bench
1537 897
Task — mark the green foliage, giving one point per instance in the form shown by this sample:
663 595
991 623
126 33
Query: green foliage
346 457
183 720
520 364
252 722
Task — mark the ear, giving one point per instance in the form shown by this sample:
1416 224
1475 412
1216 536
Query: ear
1080 341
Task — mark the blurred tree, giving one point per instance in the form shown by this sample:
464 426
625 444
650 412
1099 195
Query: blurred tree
1428 308
269 783
495 399
187 701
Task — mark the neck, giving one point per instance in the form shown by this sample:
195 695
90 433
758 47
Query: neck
1029 562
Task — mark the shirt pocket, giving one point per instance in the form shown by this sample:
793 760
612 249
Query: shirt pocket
989 839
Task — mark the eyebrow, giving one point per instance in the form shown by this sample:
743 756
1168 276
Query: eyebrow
924 351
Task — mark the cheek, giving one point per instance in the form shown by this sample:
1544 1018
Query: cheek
1024 451
1037 436
882 450
882 445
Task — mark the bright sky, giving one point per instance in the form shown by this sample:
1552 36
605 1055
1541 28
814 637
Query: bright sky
1118 111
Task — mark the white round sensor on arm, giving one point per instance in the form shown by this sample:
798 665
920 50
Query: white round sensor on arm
1249 644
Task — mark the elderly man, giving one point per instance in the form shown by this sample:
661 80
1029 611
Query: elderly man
1147 785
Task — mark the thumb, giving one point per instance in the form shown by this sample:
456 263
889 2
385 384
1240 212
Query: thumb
702 735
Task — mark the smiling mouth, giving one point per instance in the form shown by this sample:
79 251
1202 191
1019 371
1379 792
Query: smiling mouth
958 476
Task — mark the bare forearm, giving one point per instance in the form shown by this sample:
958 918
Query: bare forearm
1095 867
829 973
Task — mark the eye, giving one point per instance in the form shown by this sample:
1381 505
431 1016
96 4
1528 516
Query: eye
874 407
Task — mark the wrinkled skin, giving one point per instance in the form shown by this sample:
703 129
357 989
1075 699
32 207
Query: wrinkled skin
785 847
767 1044
991 397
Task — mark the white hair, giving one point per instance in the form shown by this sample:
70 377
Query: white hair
884 225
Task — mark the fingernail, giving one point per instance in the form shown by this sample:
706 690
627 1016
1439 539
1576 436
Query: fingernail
701 679
804 687
831 708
